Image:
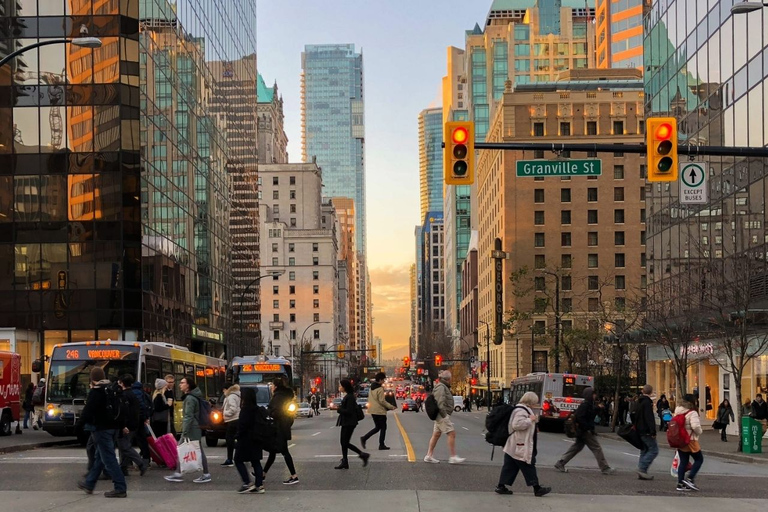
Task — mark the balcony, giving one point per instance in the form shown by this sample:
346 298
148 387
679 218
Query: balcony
276 326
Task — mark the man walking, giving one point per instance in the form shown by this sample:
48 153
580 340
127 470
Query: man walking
585 428
645 425
129 432
377 408
443 423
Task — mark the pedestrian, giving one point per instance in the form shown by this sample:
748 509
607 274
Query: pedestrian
623 410
27 404
170 395
759 411
231 413
377 408
443 423
585 436
278 408
248 450
129 432
38 404
520 448
190 428
98 417
478 402
348 413
312 405
161 415
145 410
662 405
645 424
724 417
687 408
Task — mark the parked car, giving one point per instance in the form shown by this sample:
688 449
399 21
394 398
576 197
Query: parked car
410 405
304 410
218 428
335 404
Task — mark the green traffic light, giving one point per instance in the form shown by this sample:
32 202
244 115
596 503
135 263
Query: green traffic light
665 164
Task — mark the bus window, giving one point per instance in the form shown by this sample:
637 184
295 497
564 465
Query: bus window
572 389
167 369
152 373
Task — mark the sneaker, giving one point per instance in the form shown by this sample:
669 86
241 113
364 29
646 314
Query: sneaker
644 476
227 464
502 489
82 486
115 494
456 460
682 488
431 459
34 427
689 484
204 479
608 471
176 477
246 488
258 490
542 491
561 467
291 481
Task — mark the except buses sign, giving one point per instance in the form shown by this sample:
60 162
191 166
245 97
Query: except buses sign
540 168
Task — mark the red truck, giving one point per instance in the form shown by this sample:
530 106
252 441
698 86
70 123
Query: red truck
10 388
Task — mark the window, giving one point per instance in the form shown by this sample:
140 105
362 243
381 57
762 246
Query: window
292 180
642 259
538 154
566 283
538 129
567 325
620 283
618 127
592 239
275 194
592 194
618 172
593 283
293 208
315 275
316 317
276 210
591 216
642 193
642 238
291 262
540 326
540 283
316 334
593 304
316 303
315 261
315 289
292 290
618 238
565 216
274 247
293 317
538 240
291 276
538 218
565 195
566 261
591 127
292 194
314 247
538 195
275 180
293 335
592 261
293 223
291 247
566 305
565 239
619 260
618 154
565 128
643 172
276 317
275 277
276 304
618 216
274 262
292 304
620 303
642 215
275 290
539 305
275 335
618 193
539 261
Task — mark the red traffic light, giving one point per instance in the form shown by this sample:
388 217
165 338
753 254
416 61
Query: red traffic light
438 360
406 361
460 135
664 131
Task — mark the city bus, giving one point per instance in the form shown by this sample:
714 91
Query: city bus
251 370
71 363
559 394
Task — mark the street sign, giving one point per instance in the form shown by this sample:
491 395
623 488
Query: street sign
538 168
693 183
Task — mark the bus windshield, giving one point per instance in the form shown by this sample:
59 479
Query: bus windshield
70 380
574 390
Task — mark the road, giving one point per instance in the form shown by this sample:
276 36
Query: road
315 448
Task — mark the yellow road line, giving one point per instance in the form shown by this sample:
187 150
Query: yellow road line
406 440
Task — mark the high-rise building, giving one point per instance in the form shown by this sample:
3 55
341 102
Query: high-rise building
432 296
417 287
345 213
431 160
273 142
414 308
620 33
115 203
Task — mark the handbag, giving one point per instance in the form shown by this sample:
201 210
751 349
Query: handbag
360 413
190 457
630 434
718 426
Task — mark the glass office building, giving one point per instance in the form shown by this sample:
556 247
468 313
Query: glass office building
114 196
431 160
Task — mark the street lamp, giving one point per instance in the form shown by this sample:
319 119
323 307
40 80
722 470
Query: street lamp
488 359
557 317
84 41
301 358
745 7
248 287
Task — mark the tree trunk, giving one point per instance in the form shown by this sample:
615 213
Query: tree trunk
681 378
616 391
737 412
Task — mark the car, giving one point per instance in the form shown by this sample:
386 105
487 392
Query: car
458 403
304 410
410 405
363 402
335 404
218 429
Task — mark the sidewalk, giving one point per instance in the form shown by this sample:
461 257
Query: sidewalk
710 445
30 439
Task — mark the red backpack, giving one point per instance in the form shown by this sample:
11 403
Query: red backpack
677 435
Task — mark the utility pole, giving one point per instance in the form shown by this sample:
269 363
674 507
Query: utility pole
488 359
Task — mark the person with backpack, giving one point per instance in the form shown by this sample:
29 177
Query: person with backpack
248 450
192 409
724 417
520 448
231 413
441 394
38 404
282 398
377 408
584 419
145 410
645 424
683 434
130 430
102 415
349 415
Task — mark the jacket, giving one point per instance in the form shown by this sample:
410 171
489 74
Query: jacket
247 450
231 409
161 409
759 410
132 409
347 411
692 421
190 428
725 414
661 406
96 413
278 409
444 399
520 443
143 399
646 420
27 404
377 400
585 413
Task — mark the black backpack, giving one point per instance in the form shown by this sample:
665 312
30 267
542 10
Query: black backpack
117 410
497 424
203 413
147 407
432 408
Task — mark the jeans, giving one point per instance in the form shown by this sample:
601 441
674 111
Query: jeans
27 416
512 467
649 452
585 439
104 458
286 456
231 434
127 453
698 460
380 426
345 438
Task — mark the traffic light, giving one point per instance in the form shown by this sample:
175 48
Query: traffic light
438 360
459 153
661 145
340 351
318 381
406 361
473 381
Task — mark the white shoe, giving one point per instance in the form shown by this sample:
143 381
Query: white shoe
431 460
456 460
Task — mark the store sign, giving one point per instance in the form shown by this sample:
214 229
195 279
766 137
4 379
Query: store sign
704 349
199 332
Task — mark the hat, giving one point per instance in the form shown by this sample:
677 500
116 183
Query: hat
42 381
97 374
160 384
689 398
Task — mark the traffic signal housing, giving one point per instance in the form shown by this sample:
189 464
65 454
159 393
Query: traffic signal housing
661 147
406 361
438 360
459 153
340 350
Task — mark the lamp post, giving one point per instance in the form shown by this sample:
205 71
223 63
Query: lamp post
488 359
557 317
745 7
248 287
301 358
85 42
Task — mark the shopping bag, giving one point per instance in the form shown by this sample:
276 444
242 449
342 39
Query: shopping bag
676 464
190 457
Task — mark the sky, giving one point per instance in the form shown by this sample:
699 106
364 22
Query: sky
404 45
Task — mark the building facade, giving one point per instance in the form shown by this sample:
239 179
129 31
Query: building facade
273 142
345 213
432 303
431 160
620 33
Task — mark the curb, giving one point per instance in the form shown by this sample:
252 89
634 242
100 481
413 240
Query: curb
34 446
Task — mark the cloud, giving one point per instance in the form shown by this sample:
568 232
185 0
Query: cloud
391 296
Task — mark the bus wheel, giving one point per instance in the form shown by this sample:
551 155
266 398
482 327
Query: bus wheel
5 424
211 442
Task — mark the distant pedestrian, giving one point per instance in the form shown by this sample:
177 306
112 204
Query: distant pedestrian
377 408
145 412
130 430
467 404
313 405
161 415
662 405
231 413
645 424
190 428
759 411
282 398
443 423
585 436
348 413
724 417
170 395
247 450
520 449
27 404
687 408
38 404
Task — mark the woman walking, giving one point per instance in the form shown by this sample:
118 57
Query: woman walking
348 421
693 450
27 404
282 397
247 450
161 416
190 429
662 404
724 417
520 449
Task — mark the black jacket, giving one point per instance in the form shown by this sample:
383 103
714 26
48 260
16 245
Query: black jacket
96 412
661 406
132 410
585 413
247 450
760 411
645 419
348 411
161 409
278 409
725 414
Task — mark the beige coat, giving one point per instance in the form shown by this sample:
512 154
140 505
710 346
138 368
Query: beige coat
377 402
520 442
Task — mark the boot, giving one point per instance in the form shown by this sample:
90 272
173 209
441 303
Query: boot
343 465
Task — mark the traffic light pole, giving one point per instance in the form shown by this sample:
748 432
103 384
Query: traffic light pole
624 148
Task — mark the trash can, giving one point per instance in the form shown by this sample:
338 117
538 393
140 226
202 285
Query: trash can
752 432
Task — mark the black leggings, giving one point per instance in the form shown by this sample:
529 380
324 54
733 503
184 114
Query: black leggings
346 436
286 455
